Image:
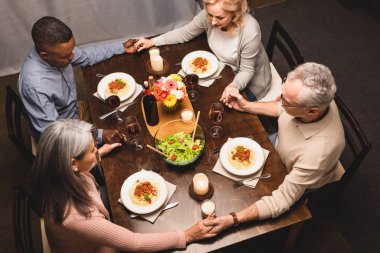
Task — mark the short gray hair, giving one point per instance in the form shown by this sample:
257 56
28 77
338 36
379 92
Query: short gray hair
318 84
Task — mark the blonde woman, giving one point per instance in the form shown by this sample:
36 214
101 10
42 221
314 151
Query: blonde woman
234 36
68 196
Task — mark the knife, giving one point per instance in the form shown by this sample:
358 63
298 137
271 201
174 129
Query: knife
168 206
124 106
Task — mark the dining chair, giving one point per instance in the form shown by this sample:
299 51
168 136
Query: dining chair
356 149
24 233
279 38
17 121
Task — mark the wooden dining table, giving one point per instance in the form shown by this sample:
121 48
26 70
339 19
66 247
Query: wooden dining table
125 161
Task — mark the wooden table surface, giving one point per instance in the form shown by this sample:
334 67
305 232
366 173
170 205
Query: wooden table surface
125 161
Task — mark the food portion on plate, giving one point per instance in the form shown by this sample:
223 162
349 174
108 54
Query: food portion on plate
144 192
118 83
199 65
119 87
202 63
241 157
180 148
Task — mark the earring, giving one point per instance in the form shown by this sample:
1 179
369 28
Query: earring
75 169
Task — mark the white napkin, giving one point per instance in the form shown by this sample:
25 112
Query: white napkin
218 168
202 81
137 92
152 217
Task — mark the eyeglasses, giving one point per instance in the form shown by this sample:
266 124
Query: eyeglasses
282 100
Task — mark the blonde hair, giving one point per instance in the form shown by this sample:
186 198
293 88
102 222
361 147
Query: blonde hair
237 7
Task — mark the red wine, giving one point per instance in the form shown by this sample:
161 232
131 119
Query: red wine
113 101
133 130
191 80
216 117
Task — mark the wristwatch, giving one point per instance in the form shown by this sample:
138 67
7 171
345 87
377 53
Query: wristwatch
234 217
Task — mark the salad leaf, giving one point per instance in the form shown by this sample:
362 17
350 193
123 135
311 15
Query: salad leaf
181 146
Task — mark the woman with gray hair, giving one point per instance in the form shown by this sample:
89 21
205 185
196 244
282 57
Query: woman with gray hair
310 140
67 195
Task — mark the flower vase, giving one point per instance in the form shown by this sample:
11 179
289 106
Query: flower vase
172 109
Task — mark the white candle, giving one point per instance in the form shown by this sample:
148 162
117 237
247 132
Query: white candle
154 50
187 115
200 183
156 62
207 207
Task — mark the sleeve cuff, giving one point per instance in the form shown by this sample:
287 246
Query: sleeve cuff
158 41
99 138
181 239
264 211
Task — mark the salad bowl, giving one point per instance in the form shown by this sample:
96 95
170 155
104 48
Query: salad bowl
174 139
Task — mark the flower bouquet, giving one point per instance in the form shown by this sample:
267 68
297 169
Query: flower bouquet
170 90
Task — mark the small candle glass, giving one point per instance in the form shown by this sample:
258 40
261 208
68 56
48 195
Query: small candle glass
200 184
207 207
187 115
154 50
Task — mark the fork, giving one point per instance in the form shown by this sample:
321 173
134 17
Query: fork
243 181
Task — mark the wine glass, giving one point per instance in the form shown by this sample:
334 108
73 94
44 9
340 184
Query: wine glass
192 80
113 102
216 116
133 132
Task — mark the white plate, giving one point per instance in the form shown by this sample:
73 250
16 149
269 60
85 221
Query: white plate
143 175
259 155
111 77
209 56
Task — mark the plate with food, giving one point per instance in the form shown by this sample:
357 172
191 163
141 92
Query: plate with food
118 83
144 192
202 63
242 156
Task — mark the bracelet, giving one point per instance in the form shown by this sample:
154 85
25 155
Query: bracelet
234 217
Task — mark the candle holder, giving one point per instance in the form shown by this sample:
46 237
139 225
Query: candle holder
200 198
158 74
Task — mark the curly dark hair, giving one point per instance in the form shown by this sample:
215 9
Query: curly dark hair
49 32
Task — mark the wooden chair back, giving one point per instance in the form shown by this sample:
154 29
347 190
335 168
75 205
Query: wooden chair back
17 122
26 220
281 39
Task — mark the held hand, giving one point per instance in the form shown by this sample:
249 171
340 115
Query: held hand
219 224
199 231
226 93
112 136
129 46
107 148
237 102
143 44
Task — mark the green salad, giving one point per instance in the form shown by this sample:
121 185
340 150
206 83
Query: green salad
180 148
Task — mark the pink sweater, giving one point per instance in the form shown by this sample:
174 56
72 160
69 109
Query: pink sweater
98 234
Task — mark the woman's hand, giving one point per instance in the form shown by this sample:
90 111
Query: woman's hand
143 44
227 91
199 231
129 46
107 148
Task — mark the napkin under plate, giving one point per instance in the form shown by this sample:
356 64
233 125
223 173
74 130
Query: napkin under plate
152 217
218 168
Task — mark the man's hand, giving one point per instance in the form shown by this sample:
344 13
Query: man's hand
237 102
129 46
112 136
219 224
227 92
